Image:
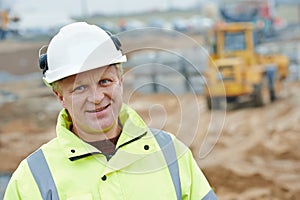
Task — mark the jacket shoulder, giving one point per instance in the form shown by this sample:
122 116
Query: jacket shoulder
21 183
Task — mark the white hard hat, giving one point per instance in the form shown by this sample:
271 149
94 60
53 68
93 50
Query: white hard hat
80 47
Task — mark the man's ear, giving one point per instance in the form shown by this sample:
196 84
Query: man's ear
121 84
121 80
60 98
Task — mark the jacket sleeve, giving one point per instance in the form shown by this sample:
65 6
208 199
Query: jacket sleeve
200 187
22 185
194 184
12 191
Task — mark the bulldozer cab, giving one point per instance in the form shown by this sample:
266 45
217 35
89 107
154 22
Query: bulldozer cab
235 40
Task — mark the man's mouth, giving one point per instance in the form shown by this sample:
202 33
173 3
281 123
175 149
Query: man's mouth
99 109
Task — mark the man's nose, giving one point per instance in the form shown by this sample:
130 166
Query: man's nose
97 95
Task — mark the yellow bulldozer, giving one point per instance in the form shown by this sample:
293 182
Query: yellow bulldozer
237 73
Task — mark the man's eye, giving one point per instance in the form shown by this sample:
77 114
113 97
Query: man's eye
79 88
105 82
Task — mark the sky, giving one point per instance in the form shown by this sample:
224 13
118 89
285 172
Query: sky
48 12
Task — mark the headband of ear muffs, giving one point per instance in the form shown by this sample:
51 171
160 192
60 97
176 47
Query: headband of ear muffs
116 41
43 57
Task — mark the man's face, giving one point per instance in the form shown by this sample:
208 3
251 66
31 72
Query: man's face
93 100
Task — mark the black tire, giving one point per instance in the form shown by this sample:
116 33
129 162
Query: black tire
216 103
263 95
208 102
273 95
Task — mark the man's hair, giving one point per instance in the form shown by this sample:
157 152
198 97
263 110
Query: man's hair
119 67
56 86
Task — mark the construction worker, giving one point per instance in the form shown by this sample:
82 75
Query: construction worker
4 23
103 149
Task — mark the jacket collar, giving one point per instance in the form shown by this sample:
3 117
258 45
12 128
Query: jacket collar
133 130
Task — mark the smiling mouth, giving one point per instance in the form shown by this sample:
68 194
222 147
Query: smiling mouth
98 109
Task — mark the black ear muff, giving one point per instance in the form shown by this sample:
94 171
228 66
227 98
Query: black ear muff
116 41
43 62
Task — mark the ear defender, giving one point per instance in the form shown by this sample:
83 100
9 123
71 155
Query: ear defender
43 58
43 62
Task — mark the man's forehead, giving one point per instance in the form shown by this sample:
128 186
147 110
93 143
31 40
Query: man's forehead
98 72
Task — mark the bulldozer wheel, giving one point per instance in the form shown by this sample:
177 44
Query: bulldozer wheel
273 96
216 103
262 94
208 102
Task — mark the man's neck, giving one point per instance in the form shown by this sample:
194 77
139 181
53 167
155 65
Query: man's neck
114 132
107 146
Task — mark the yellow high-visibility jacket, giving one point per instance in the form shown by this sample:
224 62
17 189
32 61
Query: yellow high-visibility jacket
137 170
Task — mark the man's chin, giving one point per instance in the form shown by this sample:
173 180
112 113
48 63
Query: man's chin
105 128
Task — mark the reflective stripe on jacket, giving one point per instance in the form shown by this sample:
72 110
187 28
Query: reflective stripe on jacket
137 170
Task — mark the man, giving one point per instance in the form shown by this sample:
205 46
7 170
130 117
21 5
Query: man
103 149
4 23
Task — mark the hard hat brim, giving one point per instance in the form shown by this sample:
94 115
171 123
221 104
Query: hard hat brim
52 76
